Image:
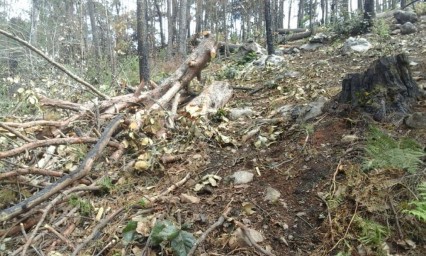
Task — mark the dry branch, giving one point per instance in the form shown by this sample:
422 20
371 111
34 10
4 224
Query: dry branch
54 63
65 181
203 237
49 142
96 230
17 172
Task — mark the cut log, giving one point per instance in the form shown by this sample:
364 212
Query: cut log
215 96
232 48
385 89
295 36
286 31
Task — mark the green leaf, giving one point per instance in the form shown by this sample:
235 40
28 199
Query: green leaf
183 243
129 231
163 231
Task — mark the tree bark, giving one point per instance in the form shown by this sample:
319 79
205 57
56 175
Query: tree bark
182 28
95 35
268 21
160 20
143 51
385 88
301 13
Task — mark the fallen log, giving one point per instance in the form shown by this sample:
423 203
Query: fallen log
287 31
294 37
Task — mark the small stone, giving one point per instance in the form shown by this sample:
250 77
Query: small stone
300 214
186 198
272 195
408 28
237 113
242 177
416 120
349 138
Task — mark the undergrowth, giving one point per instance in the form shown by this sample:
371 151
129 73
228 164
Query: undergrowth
384 152
419 210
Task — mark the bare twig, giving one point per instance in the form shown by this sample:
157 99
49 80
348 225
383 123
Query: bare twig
401 236
252 241
30 170
60 236
48 142
56 224
203 237
54 63
47 209
66 180
96 230
347 229
17 134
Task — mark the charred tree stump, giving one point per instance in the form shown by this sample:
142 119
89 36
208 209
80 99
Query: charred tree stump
385 89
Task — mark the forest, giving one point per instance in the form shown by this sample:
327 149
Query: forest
229 127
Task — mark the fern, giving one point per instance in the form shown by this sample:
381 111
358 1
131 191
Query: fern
372 233
385 152
420 205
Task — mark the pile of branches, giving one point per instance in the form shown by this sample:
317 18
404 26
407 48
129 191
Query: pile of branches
109 117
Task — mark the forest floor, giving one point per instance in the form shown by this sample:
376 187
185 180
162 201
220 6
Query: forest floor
307 163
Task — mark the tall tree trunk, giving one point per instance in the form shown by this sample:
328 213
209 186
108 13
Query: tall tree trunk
268 25
142 34
35 16
198 16
369 11
311 25
360 6
344 9
95 36
289 12
171 20
160 19
301 13
281 14
225 26
182 28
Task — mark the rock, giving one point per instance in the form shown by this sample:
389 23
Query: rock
416 120
310 46
356 45
405 16
189 199
292 74
319 38
408 28
252 47
349 138
242 177
269 60
272 195
311 110
239 239
395 32
303 112
237 113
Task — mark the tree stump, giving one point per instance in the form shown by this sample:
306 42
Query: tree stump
386 89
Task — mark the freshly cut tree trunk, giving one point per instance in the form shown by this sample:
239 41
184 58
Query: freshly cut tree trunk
215 96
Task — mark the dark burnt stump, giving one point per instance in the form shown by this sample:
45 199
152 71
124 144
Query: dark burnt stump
386 89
